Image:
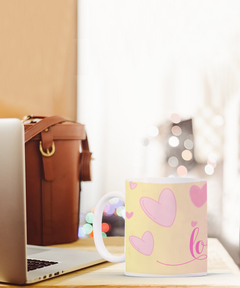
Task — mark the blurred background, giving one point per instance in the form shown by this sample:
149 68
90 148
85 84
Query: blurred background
159 92
157 84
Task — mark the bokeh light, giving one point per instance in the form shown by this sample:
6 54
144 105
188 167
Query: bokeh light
88 228
187 155
153 131
116 202
121 211
110 211
173 141
173 161
175 118
209 170
182 170
105 227
81 232
106 208
113 200
104 234
89 217
144 141
188 144
213 164
176 130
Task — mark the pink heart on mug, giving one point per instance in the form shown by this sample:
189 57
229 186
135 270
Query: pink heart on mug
198 195
163 211
143 245
129 215
194 223
133 185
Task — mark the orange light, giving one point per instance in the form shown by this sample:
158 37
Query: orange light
91 234
105 227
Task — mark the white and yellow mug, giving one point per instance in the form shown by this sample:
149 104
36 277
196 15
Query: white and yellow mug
165 227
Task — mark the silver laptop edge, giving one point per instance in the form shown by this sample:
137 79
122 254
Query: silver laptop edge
13 260
12 202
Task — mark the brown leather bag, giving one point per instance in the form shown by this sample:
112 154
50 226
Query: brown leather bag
54 169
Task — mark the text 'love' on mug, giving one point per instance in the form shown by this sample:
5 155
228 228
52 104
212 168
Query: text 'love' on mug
165 227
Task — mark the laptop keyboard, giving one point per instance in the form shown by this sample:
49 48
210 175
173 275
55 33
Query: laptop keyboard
34 264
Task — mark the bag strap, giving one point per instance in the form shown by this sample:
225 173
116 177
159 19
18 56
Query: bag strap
85 161
85 155
42 125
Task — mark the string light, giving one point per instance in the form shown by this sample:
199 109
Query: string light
175 118
121 211
173 141
89 218
105 227
209 170
176 130
144 141
188 144
182 170
106 208
81 232
187 155
110 211
88 228
173 161
214 165
114 201
114 206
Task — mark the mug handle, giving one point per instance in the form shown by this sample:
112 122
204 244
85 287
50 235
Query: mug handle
97 227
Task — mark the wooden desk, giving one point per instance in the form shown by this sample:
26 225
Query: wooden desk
222 271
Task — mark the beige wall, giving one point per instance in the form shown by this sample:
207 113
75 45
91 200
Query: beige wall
38 57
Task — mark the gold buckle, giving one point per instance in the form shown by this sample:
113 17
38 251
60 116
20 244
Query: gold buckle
26 118
48 153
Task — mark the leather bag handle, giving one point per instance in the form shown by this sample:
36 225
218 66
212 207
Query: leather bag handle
42 125
85 155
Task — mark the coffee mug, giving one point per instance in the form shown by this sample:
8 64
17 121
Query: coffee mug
165 227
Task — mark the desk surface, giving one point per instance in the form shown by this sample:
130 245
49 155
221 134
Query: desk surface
222 271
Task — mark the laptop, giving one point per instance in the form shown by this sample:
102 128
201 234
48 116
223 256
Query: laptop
21 263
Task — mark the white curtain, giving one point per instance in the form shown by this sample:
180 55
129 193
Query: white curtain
139 62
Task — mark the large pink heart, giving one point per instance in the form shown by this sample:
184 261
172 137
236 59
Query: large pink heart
144 245
163 211
198 195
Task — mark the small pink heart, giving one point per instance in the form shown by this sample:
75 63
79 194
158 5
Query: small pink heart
198 195
144 245
194 223
163 211
133 185
129 215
